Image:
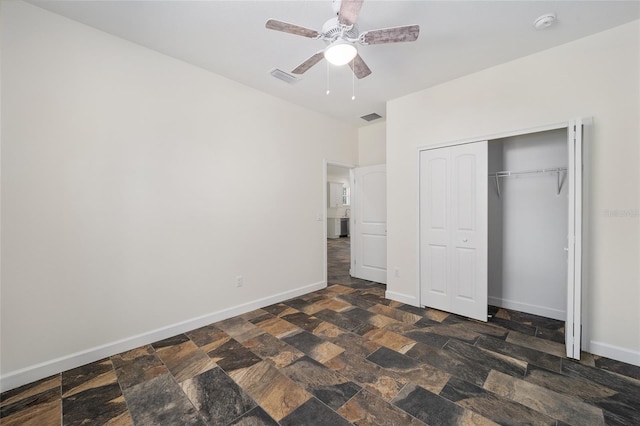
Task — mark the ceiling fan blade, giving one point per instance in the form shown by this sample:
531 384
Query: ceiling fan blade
359 67
285 27
349 10
392 35
304 67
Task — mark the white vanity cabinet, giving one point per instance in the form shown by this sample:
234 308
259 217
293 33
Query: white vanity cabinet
333 227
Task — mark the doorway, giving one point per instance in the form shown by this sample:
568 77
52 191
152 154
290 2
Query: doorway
338 205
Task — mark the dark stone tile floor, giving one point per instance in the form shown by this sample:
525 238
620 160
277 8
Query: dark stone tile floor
342 355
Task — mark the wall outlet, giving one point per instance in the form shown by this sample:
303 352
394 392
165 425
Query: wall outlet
396 271
239 281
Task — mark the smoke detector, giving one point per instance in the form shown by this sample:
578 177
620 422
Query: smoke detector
545 21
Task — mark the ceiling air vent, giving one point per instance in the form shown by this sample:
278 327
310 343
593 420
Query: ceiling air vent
284 76
371 117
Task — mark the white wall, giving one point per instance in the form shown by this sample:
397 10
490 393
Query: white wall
372 142
596 76
532 226
136 187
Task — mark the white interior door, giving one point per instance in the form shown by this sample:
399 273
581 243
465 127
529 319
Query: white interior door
369 224
573 328
453 229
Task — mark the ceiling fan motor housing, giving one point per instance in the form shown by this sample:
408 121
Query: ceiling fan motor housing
332 30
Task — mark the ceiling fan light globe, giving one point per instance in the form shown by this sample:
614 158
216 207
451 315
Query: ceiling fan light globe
340 52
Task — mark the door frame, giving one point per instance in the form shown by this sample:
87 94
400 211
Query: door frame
574 313
322 217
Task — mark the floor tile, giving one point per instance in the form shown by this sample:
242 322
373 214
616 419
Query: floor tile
333 304
278 327
367 374
391 340
137 366
450 362
251 315
233 356
30 390
583 389
239 328
273 349
628 387
278 308
496 361
339 319
454 331
368 317
492 406
298 303
94 375
314 346
302 320
274 392
529 319
313 413
515 326
427 337
33 409
161 401
184 360
341 289
435 410
531 356
352 343
98 405
368 409
355 300
218 399
396 314
208 338
325 384
255 417
622 368
428 377
532 342
567 409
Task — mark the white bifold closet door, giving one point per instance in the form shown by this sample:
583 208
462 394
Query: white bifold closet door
453 228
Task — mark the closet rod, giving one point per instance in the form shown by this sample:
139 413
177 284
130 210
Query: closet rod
557 170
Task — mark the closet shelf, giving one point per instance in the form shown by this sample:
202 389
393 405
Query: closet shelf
560 172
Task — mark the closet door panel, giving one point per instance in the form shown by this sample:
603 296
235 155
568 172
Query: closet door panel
469 201
437 270
435 228
465 281
453 218
463 191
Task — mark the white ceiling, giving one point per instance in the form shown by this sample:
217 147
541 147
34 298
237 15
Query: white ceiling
456 38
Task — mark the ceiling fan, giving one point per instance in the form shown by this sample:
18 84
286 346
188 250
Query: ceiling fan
341 35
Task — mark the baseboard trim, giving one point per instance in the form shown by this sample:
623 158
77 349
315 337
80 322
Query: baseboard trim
525 307
36 372
401 297
614 352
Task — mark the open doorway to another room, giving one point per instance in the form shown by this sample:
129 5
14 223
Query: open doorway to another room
338 223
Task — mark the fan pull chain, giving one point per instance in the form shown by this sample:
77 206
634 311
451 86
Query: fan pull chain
353 80
328 90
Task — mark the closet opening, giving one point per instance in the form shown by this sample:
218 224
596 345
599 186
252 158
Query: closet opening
527 223
501 224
